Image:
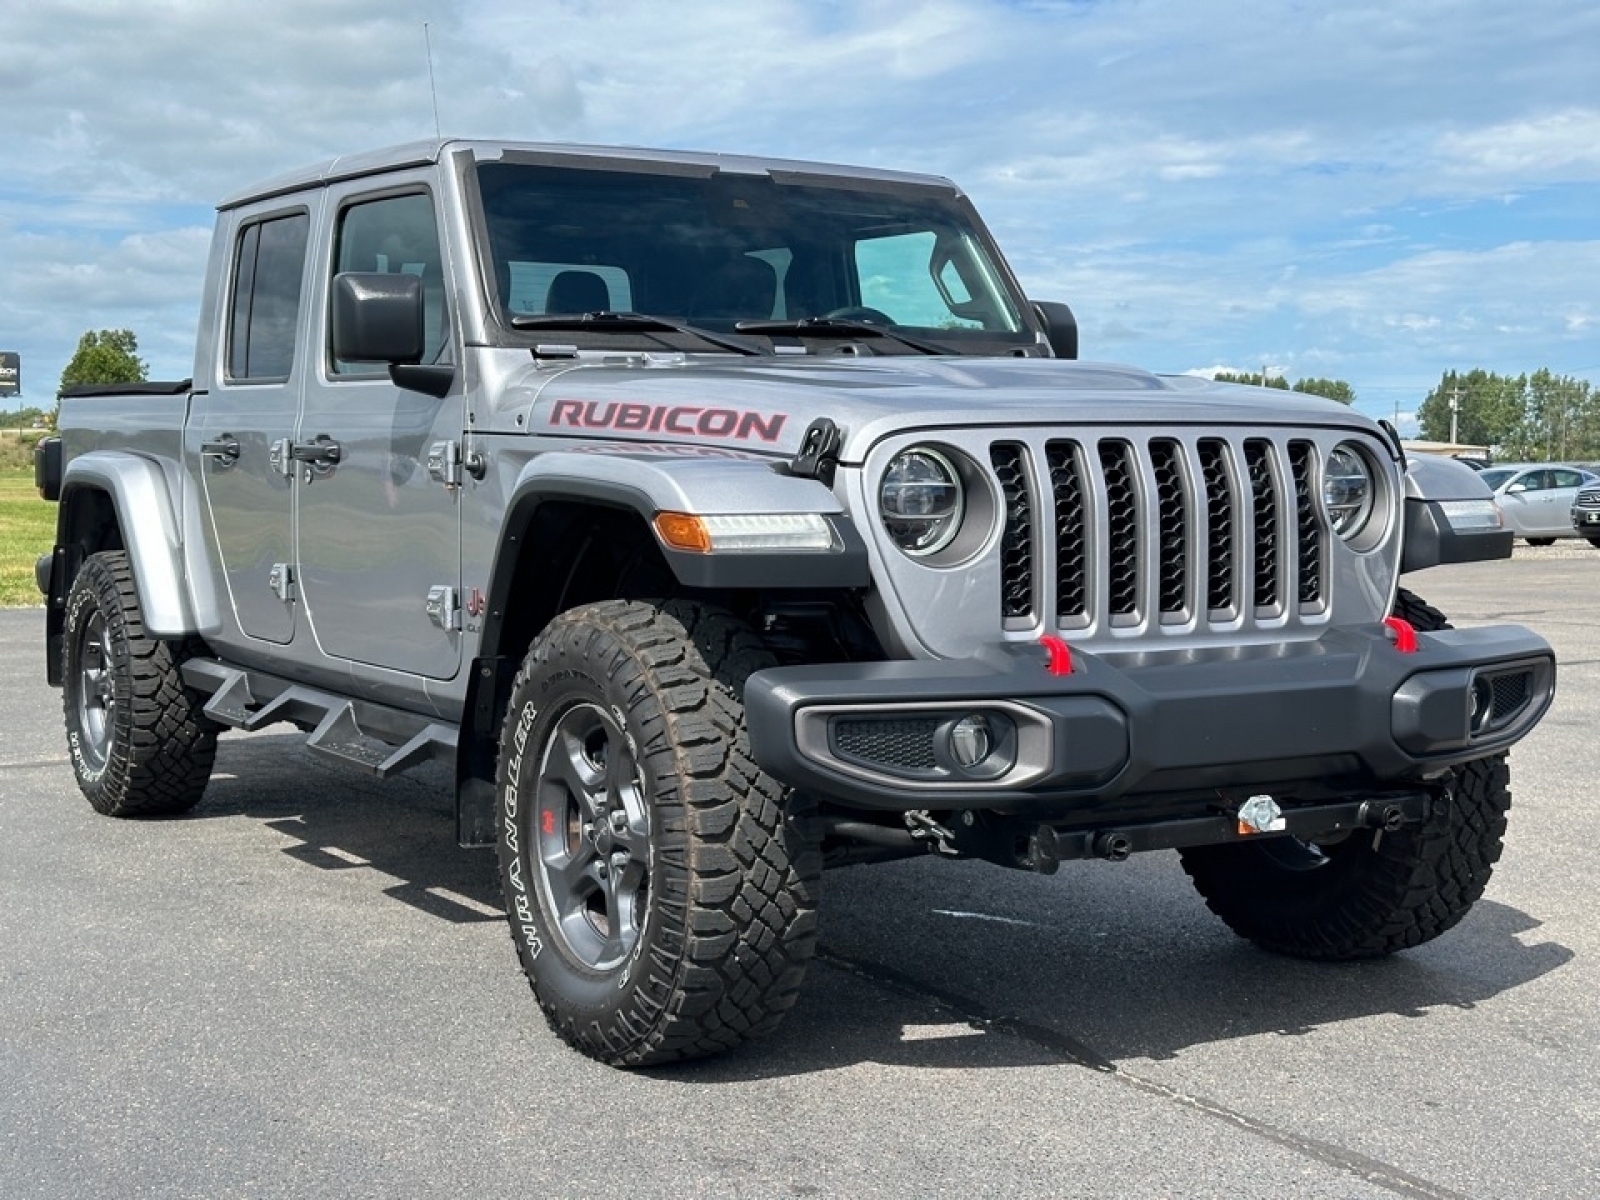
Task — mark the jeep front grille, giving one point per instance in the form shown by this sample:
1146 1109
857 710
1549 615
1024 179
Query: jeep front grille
1166 530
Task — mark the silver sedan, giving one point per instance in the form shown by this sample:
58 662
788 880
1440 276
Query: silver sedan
1537 498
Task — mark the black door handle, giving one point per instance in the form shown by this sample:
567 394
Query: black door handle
224 448
320 453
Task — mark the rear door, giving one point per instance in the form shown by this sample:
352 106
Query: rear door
379 535
1564 492
243 422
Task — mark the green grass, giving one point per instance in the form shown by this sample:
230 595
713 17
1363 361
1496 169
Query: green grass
27 530
16 449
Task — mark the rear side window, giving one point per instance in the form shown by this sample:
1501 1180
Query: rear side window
267 271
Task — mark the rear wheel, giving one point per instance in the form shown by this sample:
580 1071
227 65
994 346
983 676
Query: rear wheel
1595 542
139 741
661 889
1540 541
1371 893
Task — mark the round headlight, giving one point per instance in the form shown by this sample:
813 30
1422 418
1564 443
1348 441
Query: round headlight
1347 490
921 501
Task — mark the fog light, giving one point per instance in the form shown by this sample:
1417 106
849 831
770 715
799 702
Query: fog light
1481 704
971 740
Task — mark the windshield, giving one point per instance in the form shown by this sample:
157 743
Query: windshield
1494 477
714 250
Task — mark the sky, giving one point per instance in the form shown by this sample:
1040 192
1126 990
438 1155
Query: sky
1373 192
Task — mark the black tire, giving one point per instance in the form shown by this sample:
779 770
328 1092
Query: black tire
661 890
1595 542
1540 541
1369 894
139 742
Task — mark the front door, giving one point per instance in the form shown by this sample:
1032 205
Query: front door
379 536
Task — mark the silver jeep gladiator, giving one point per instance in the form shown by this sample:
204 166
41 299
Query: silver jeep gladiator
722 520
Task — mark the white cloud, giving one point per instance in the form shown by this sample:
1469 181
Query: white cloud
1564 144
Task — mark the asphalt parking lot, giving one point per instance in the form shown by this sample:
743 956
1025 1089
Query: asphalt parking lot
304 989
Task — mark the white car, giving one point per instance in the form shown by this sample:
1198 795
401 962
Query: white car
1536 498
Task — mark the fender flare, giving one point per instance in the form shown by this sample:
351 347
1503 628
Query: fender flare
148 522
703 487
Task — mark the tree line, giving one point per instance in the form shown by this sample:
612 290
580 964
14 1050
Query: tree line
105 356
1542 417
1332 389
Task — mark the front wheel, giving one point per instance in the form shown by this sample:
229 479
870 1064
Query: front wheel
1370 893
661 890
1595 542
1540 541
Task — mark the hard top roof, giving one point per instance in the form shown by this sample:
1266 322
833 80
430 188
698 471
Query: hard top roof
414 154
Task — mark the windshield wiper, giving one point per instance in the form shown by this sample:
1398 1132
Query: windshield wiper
837 327
606 321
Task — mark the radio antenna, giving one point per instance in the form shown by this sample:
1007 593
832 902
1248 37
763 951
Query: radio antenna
432 89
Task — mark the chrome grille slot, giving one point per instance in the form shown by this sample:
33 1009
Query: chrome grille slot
1072 514
1173 509
1268 526
1010 461
1123 530
1302 464
1216 470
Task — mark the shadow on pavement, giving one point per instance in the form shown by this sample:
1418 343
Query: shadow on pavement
927 963
341 820
957 994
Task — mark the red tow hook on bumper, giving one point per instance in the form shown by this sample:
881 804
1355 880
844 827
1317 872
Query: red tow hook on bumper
1060 655
1405 637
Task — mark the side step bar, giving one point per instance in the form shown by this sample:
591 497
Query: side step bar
372 738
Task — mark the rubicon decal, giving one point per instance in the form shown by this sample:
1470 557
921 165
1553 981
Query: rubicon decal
689 419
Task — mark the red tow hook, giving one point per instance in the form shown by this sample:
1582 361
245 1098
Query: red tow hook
1405 637
1060 655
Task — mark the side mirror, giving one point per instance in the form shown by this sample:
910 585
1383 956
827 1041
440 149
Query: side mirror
377 317
1060 327
1516 489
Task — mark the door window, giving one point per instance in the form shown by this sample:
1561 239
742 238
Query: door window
392 236
269 264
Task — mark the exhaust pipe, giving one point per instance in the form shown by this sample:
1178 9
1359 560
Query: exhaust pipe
1111 846
1387 817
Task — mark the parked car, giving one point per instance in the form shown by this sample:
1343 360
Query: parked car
1537 498
1586 515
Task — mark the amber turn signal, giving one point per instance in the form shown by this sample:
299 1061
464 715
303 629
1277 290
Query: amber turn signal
682 531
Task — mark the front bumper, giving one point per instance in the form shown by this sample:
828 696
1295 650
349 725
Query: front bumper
1349 710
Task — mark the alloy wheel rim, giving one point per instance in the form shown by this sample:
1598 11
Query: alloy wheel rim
591 834
97 700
